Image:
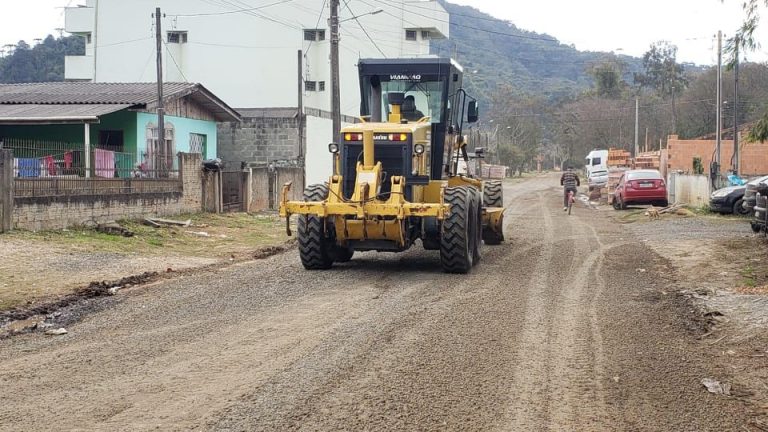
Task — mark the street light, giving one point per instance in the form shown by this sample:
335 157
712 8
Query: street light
377 11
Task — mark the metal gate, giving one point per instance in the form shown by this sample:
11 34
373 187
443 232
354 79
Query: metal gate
232 190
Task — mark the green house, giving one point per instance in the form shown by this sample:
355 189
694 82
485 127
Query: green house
51 127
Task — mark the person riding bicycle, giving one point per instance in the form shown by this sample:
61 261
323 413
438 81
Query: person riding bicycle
570 181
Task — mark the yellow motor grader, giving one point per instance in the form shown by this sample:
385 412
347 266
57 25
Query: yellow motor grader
396 176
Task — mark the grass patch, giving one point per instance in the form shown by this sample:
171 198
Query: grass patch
748 277
209 235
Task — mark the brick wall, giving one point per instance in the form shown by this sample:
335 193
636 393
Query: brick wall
259 140
754 156
65 211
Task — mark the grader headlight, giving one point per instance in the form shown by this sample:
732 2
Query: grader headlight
333 148
419 149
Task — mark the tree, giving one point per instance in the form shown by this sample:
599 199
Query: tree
608 78
662 73
745 38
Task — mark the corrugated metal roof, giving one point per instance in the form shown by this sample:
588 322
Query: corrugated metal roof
32 113
88 93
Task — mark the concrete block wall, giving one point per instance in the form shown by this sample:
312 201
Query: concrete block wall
266 185
259 140
754 156
35 213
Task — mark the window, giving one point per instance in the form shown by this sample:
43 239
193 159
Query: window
314 35
410 35
310 86
88 38
596 161
160 158
177 37
197 143
321 86
425 34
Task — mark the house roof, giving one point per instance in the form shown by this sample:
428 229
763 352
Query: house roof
35 96
53 114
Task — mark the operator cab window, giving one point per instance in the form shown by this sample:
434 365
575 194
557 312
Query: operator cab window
596 161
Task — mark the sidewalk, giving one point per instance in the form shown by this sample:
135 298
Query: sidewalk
43 266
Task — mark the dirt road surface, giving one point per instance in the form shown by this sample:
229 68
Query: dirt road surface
571 325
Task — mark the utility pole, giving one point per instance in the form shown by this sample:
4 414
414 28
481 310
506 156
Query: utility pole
719 112
160 106
736 161
637 126
301 106
335 92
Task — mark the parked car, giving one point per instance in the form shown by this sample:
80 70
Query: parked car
597 179
728 200
640 187
754 186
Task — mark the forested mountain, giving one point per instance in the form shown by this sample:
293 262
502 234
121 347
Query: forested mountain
41 63
495 52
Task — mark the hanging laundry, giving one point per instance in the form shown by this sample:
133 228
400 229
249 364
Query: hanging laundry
50 165
27 167
104 163
68 160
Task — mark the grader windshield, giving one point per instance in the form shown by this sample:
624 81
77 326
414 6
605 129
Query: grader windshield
431 89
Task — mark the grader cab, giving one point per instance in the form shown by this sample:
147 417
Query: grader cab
396 174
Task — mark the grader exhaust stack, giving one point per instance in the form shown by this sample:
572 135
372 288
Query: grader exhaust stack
395 179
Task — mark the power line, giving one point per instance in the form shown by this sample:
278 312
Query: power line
400 7
346 3
319 17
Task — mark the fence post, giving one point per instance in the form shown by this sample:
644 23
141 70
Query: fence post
6 190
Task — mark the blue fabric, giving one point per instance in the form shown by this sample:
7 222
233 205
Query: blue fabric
736 180
29 167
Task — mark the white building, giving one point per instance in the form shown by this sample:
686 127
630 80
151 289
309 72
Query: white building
246 51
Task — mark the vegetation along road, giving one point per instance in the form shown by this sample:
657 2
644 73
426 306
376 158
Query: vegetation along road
555 330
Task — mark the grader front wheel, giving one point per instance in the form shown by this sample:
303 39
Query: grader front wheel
458 242
314 243
493 194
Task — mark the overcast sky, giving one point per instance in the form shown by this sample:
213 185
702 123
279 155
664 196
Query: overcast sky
597 25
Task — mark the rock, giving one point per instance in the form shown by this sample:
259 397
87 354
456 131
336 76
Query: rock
42 325
714 386
56 332
616 379
113 290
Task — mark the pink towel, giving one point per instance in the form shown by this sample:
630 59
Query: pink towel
50 165
104 163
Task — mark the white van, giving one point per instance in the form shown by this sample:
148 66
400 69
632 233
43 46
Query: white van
597 160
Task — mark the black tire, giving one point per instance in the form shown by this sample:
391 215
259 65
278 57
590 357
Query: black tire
755 227
615 203
493 195
622 204
456 242
315 244
738 208
477 227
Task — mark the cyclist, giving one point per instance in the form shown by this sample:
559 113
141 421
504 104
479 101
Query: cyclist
569 181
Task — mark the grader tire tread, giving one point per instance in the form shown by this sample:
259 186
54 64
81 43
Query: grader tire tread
493 194
313 243
456 249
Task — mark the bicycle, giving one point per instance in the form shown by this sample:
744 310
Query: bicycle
571 200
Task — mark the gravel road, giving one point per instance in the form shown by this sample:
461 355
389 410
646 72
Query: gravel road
555 330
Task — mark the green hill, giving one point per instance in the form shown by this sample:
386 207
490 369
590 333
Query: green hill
495 52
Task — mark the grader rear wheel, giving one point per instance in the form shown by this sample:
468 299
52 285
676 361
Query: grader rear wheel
314 243
477 227
457 243
492 194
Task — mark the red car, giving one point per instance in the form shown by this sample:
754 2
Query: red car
640 187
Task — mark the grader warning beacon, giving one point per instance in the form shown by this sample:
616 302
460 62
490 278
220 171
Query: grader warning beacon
396 174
